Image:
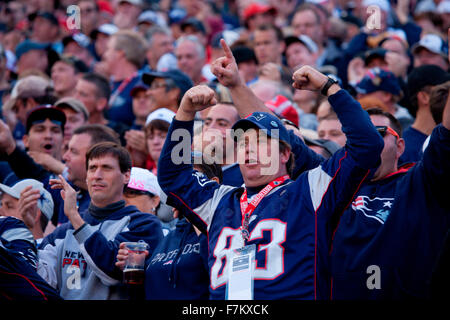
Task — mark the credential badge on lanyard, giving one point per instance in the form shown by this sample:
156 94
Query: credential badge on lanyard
241 274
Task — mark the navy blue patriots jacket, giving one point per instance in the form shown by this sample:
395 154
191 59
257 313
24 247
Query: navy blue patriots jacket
395 229
81 263
18 258
178 268
293 224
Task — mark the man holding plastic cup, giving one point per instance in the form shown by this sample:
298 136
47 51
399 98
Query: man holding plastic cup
79 257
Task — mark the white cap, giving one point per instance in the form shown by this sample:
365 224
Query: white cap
382 4
45 202
309 43
143 180
108 28
160 114
443 7
135 2
433 43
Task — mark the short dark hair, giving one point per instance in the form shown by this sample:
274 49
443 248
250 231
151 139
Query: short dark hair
278 31
438 100
210 168
98 133
393 122
102 84
102 149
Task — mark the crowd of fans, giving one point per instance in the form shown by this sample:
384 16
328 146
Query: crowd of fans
91 89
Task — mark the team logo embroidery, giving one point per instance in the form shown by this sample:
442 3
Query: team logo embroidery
376 208
201 178
259 116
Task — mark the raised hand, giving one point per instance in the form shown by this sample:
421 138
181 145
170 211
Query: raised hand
225 68
7 142
28 206
69 196
195 99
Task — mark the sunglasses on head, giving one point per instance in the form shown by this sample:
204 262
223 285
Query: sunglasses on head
382 130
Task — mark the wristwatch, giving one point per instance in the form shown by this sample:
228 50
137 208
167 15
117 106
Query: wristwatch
327 85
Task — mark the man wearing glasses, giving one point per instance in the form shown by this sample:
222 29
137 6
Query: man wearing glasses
390 237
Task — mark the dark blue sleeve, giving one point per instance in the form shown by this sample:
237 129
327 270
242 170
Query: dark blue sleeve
184 187
20 281
364 143
435 163
101 253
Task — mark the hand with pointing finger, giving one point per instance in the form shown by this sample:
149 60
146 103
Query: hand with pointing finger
69 196
225 68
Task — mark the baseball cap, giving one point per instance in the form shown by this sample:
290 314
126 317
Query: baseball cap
160 114
43 112
32 87
106 28
330 146
303 39
229 36
371 54
283 107
152 17
426 75
143 180
182 81
74 104
377 79
45 202
140 86
194 23
81 39
134 2
443 7
28 45
257 8
382 4
265 121
433 43
46 15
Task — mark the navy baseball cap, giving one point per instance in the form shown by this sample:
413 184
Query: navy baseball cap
182 80
265 121
371 54
377 79
28 45
43 112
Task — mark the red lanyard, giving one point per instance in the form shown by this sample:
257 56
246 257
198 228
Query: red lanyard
120 88
247 208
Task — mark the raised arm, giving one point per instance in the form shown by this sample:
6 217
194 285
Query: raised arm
226 70
185 188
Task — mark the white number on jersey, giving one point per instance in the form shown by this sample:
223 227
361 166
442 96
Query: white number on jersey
230 239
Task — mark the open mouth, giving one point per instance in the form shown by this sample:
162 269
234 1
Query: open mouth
47 147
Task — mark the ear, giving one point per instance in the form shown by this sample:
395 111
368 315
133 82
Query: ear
25 140
423 98
285 156
102 104
156 200
126 177
174 93
400 147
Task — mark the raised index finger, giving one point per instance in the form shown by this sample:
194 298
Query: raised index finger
226 49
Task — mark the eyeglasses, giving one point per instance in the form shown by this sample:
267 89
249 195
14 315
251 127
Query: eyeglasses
157 86
382 130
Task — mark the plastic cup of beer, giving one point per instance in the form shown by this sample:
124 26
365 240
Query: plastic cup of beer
133 273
